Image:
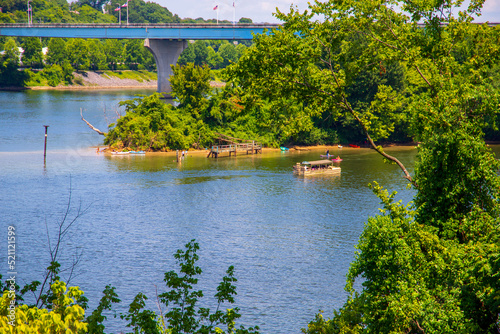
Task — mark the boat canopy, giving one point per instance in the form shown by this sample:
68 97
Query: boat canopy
317 162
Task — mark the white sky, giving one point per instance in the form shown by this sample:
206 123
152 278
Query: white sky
262 10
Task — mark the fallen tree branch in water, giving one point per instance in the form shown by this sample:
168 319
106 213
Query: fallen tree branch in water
90 125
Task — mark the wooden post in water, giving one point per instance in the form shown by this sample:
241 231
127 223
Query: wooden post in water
45 146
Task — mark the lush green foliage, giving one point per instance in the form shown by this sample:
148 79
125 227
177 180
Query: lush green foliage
150 124
184 316
98 54
65 315
9 62
32 55
431 266
63 308
201 113
95 320
215 54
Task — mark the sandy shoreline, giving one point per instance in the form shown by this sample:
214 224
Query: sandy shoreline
332 148
322 148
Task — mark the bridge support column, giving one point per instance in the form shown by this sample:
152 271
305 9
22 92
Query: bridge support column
166 53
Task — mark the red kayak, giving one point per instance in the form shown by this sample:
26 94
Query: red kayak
354 146
336 160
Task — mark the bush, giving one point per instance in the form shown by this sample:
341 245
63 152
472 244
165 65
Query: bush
54 75
78 81
66 315
34 78
67 72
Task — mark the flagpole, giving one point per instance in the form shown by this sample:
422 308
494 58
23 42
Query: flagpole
217 14
127 12
234 14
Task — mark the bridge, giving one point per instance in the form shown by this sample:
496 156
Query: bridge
165 41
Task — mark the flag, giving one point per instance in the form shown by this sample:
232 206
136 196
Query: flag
125 5
233 3
117 9
216 7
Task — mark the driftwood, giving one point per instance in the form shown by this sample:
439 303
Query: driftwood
90 125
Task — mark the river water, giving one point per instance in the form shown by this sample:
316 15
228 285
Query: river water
291 239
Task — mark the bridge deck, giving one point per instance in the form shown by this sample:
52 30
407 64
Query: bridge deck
136 31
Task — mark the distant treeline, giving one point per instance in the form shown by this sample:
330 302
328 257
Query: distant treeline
90 11
57 57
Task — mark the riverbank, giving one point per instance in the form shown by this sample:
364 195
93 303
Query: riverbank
109 80
102 80
334 149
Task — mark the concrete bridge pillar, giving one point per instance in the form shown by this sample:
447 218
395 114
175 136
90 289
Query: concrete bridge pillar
166 53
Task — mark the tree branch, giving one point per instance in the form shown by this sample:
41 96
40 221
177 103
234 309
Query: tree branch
346 105
90 125
381 152
423 77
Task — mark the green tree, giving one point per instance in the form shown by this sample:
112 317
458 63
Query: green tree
9 65
200 52
67 72
32 55
187 56
214 60
145 12
78 53
6 18
149 124
65 316
11 52
430 267
56 53
97 58
95 320
245 20
133 53
86 14
240 49
228 53
184 316
96 4
190 87
54 75
113 49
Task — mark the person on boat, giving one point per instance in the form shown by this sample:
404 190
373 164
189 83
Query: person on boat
327 153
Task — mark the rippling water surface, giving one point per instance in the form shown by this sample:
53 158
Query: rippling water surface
290 238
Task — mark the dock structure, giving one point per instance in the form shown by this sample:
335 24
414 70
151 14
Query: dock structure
234 147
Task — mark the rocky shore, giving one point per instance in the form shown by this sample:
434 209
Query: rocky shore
100 80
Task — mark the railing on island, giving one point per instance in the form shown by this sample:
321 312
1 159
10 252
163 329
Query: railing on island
249 148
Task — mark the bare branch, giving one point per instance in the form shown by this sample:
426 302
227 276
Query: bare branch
375 38
385 155
90 125
346 105
159 307
55 248
423 77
